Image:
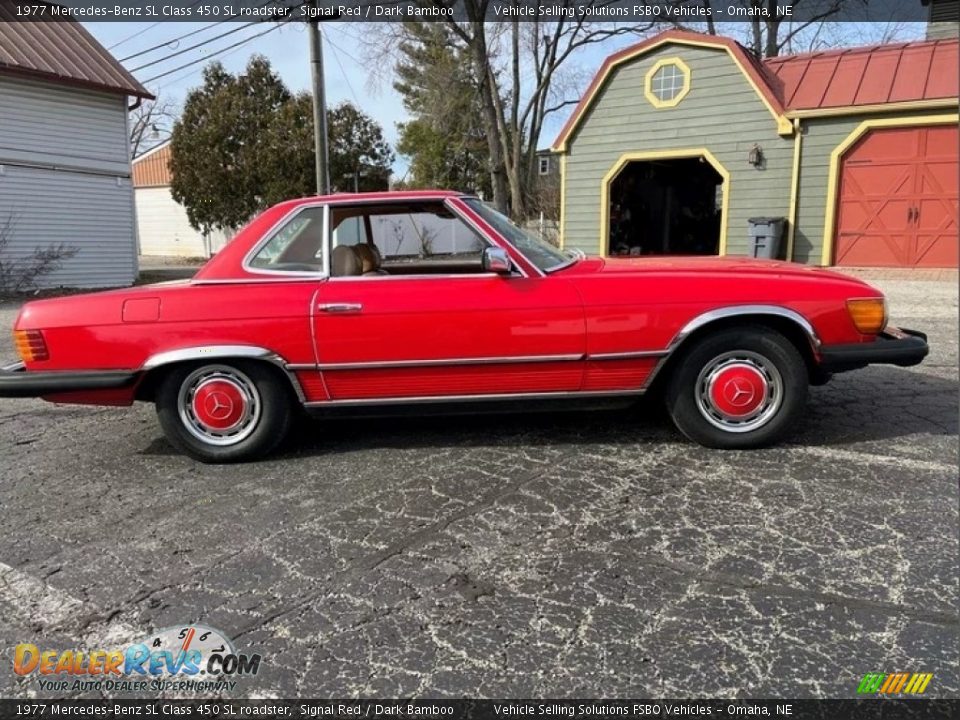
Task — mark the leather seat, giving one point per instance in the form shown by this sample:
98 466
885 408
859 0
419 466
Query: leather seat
345 262
370 259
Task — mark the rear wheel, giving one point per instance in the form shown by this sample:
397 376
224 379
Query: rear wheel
224 412
738 388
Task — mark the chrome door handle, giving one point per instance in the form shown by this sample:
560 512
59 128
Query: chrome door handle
340 307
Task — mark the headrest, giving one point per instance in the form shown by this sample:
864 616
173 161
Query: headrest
369 257
344 262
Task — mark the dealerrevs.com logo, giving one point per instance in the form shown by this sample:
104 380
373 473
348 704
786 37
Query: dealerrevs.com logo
183 658
894 683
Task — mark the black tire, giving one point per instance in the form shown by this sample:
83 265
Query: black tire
736 388
191 394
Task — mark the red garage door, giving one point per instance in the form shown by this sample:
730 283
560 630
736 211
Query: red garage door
898 199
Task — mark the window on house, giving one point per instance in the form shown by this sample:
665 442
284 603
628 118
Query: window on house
544 166
667 83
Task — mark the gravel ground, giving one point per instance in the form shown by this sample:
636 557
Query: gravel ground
591 555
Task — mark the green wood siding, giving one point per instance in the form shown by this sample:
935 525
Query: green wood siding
820 137
721 113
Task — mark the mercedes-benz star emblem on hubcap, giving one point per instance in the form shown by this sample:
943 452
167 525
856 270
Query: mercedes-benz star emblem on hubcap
218 405
738 392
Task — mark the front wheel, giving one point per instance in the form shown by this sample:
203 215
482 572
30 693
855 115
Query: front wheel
738 388
224 412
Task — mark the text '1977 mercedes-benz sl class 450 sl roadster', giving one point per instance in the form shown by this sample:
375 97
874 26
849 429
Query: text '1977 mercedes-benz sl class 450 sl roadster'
377 303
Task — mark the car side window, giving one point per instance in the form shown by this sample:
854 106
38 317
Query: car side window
422 238
297 246
349 231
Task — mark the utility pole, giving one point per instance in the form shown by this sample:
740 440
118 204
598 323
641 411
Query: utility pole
319 108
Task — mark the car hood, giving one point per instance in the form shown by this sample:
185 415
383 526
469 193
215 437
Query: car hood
728 266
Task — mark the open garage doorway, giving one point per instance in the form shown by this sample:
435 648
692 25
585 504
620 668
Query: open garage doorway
666 206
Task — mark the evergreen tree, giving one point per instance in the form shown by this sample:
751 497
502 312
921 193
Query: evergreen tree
444 140
245 143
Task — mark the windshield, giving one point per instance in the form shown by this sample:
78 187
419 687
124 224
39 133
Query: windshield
542 254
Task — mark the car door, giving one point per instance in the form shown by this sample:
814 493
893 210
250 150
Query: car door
432 324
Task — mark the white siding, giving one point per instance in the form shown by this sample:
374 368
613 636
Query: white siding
65 178
165 230
50 125
92 213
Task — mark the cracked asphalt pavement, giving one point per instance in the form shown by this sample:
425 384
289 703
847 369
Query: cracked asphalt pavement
557 555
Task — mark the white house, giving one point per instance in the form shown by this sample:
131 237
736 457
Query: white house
64 151
161 221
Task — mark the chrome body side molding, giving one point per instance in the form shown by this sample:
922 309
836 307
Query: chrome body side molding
636 355
505 360
427 399
443 362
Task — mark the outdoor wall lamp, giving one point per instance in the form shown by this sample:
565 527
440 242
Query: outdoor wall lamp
755 156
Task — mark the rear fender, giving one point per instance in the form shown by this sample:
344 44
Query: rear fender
154 366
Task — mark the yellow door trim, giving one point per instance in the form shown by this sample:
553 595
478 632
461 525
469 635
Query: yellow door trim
784 126
677 154
833 179
794 189
563 200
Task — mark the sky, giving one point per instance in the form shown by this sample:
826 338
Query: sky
346 65
346 68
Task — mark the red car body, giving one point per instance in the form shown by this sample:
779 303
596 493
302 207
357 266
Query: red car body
589 327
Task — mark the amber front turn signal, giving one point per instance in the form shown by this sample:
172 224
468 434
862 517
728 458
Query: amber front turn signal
869 315
31 345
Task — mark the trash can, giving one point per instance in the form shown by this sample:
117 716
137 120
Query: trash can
766 234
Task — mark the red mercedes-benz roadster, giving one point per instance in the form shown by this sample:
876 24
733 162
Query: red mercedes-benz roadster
380 302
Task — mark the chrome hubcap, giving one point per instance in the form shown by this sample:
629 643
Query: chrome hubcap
219 405
739 391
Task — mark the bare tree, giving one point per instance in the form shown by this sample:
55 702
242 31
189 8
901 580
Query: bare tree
523 69
518 67
150 124
832 35
19 272
770 30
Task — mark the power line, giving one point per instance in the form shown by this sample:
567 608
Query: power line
194 47
341 49
136 34
171 42
214 54
340 65
194 71
226 53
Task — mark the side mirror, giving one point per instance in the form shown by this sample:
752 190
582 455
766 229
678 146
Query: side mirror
497 261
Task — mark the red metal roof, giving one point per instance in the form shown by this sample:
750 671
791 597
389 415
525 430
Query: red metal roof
152 168
875 75
60 51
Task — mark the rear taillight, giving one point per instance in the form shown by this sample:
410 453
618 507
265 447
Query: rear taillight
30 345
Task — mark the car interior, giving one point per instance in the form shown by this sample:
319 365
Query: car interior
410 238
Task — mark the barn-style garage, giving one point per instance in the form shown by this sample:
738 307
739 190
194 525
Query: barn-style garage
680 140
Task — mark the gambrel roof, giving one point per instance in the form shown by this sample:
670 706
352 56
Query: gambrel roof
881 77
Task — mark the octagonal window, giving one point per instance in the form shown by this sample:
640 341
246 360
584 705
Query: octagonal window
667 83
